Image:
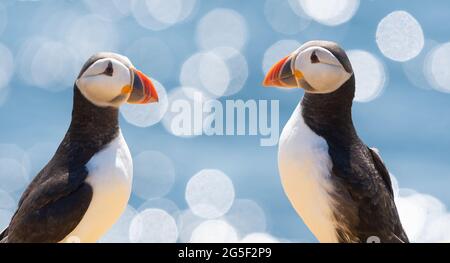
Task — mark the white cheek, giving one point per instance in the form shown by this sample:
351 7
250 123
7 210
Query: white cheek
325 78
102 89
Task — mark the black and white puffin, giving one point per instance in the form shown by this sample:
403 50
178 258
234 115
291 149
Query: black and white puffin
339 186
85 187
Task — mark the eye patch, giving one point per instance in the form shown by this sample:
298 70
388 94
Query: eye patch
314 58
109 69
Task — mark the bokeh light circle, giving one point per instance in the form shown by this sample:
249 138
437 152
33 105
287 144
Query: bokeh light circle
159 15
214 231
153 226
107 9
213 74
222 71
90 34
246 216
222 27
237 68
285 16
370 75
167 11
413 209
145 115
418 70
53 66
399 36
439 65
330 12
154 174
210 193
206 71
161 203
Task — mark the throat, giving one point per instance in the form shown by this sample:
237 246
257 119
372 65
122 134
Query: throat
330 115
92 124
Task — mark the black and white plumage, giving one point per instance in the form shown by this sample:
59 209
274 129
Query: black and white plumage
339 186
85 187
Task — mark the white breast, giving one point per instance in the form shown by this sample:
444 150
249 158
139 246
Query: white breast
110 176
305 166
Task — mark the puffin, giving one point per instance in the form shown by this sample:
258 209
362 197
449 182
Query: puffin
86 185
340 187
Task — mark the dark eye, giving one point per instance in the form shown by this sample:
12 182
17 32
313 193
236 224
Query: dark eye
314 58
109 69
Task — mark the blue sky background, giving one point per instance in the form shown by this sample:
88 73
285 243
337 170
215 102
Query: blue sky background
408 124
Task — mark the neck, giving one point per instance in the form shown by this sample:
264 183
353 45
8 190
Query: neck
330 115
90 123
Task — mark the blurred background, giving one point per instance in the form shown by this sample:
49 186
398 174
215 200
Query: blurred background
227 188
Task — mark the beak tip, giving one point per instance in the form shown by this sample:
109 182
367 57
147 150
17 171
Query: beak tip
154 100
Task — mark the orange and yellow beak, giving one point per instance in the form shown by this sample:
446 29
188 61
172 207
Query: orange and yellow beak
142 90
283 75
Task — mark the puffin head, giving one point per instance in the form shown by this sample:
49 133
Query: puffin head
110 80
319 67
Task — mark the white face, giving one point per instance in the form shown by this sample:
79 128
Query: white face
320 69
106 83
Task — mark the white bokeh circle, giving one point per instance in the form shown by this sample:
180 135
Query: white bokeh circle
161 203
159 15
246 216
210 193
154 175
237 69
214 231
60 67
222 27
84 29
418 70
399 36
107 9
153 226
286 17
330 12
437 66
370 75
